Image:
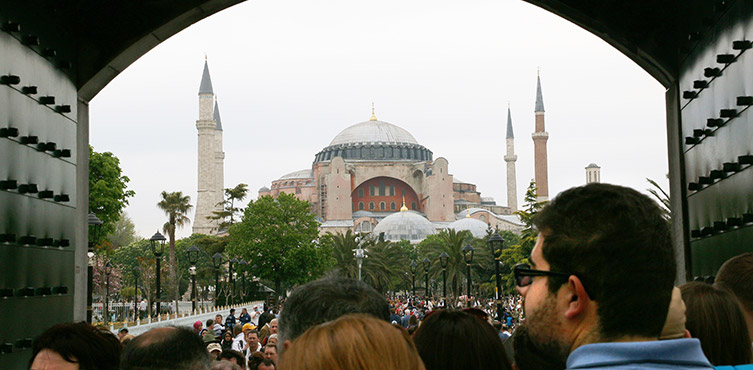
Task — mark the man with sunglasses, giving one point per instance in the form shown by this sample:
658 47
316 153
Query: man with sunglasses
598 287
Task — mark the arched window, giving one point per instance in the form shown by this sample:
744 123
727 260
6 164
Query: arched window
381 188
360 206
360 193
392 189
392 206
382 206
413 206
371 206
482 218
371 191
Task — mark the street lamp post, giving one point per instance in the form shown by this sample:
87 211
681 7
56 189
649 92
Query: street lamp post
231 275
360 254
427 263
468 257
97 223
108 271
496 245
216 262
193 259
136 293
443 259
244 267
413 266
157 243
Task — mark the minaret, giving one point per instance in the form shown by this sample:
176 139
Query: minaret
510 158
207 127
540 136
219 159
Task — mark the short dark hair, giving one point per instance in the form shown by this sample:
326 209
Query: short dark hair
325 300
166 348
715 318
265 362
231 353
210 322
123 330
736 275
445 334
232 310
617 241
88 346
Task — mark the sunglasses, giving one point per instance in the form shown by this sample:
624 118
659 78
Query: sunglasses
524 274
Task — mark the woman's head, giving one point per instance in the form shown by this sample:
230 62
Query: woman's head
715 318
227 336
352 342
458 340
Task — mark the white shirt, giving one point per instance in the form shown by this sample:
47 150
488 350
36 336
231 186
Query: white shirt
248 355
239 342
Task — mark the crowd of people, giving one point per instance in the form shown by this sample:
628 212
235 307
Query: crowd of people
598 293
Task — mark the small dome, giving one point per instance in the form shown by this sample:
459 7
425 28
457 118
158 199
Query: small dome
476 227
373 132
405 225
263 189
302 174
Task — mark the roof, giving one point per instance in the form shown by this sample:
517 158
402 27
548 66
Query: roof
217 116
510 135
476 227
513 219
206 81
337 223
539 96
405 225
592 165
373 132
302 174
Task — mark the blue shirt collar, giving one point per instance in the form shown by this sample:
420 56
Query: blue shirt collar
682 352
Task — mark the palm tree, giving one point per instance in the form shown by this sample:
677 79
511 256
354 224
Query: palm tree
176 206
342 251
452 242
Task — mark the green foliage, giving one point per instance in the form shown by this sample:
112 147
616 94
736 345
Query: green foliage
108 191
278 235
229 211
124 233
176 207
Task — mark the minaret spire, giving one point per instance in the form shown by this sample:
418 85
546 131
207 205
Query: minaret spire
206 81
510 158
373 116
540 137
217 114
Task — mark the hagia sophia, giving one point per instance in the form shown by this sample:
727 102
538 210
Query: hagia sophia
374 177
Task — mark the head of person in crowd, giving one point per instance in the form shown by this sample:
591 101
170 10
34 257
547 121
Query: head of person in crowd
603 256
252 338
227 338
224 365
270 352
122 332
714 316
166 348
75 346
324 300
355 341
255 359
214 350
197 327
126 339
233 356
273 326
459 340
272 340
266 364
674 326
528 357
736 276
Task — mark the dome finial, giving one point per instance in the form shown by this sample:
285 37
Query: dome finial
538 71
468 212
205 56
373 117
403 208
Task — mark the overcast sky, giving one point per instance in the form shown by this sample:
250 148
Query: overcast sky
291 74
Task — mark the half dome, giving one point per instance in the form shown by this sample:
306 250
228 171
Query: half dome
405 225
373 132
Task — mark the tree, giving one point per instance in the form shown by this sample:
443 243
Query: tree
229 210
124 232
108 191
278 235
176 207
520 252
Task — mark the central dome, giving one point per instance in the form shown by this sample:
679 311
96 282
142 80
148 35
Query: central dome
405 225
373 132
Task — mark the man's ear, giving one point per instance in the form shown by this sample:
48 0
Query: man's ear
578 298
286 344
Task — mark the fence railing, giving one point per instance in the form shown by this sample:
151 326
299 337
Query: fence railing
122 313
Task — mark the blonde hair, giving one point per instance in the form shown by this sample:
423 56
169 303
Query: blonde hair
352 342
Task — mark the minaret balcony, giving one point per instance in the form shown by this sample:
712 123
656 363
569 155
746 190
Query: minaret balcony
511 158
